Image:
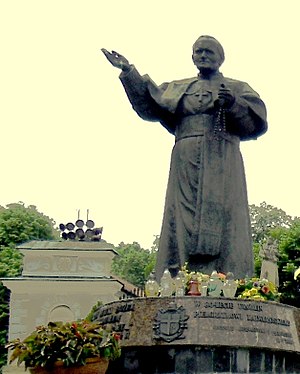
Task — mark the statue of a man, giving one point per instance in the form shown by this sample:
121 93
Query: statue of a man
269 255
206 220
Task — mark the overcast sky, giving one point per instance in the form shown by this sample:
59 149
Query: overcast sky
69 138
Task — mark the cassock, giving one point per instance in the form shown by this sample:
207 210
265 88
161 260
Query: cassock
206 218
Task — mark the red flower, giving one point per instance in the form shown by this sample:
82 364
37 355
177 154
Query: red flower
265 289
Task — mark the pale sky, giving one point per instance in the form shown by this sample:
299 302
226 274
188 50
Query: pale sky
69 137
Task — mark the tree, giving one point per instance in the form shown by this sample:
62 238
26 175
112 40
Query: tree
4 317
288 262
266 217
18 224
10 266
134 263
270 222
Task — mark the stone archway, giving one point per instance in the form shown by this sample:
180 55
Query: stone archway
61 313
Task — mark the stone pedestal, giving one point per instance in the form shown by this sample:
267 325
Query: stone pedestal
203 335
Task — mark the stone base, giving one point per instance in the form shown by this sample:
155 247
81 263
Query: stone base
194 335
196 360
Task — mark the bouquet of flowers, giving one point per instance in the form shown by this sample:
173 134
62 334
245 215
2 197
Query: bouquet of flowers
202 279
257 289
248 288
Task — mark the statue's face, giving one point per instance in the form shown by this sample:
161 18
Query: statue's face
206 56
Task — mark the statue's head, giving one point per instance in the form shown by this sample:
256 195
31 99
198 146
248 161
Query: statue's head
208 54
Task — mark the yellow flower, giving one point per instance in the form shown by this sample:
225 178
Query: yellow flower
272 287
253 291
246 294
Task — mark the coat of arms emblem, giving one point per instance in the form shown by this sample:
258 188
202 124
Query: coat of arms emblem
170 323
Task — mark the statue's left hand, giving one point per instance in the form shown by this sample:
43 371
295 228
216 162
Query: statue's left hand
225 97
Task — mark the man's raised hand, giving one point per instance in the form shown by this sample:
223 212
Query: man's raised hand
116 59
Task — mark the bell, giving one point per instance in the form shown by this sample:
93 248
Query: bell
194 287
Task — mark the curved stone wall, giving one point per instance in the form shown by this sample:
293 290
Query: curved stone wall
203 335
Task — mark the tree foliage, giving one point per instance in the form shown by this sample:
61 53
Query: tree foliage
4 318
288 262
18 224
265 217
10 262
271 222
133 263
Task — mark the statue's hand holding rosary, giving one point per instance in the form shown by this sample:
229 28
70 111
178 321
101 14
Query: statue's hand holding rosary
224 102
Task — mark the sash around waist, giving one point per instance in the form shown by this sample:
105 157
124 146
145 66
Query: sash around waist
194 125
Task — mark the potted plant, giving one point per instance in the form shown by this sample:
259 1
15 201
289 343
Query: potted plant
71 347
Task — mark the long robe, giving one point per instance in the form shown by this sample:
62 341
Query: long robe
206 219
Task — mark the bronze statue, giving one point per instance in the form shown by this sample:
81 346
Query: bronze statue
206 220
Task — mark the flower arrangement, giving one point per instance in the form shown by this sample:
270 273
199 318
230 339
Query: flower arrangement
71 343
248 288
257 289
203 279
216 284
193 275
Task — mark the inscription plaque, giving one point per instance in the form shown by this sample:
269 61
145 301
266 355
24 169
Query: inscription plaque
206 321
258 324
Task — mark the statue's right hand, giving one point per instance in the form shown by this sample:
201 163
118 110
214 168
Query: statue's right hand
116 59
